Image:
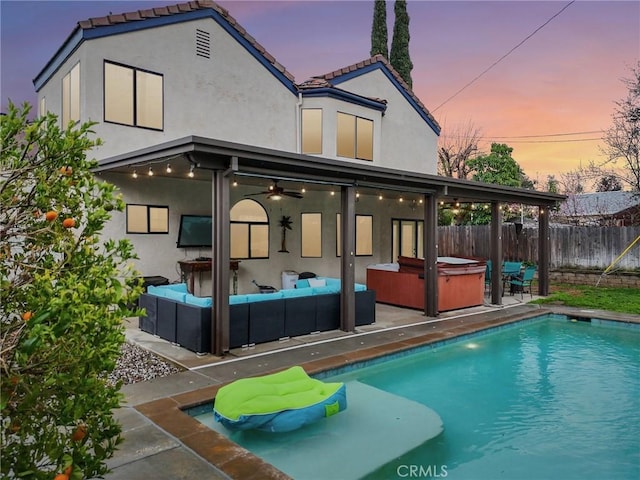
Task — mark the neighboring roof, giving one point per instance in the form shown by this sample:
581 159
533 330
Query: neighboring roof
598 204
380 62
153 17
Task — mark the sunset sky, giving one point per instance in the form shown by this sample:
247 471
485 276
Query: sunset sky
564 79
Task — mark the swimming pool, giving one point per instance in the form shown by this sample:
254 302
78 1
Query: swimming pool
543 399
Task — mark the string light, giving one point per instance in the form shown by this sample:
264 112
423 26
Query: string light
379 197
135 174
191 171
150 173
169 168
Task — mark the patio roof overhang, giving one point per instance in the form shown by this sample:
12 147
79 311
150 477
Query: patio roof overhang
224 159
211 154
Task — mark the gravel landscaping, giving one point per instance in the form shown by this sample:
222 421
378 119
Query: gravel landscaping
139 365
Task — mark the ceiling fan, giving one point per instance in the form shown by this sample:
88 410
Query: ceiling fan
274 192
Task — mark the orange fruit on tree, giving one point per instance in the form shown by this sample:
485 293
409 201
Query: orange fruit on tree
26 316
68 470
51 215
66 171
79 433
69 223
61 476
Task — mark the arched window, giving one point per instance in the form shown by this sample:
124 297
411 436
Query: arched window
249 230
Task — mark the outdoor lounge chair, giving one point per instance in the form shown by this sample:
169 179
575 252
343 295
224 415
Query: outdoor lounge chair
524 281
510 270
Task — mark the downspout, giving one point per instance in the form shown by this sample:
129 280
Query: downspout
299 123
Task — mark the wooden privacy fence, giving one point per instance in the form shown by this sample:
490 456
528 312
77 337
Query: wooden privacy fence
571 246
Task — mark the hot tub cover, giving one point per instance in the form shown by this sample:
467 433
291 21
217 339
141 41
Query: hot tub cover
278 402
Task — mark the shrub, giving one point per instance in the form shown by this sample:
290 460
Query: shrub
63 296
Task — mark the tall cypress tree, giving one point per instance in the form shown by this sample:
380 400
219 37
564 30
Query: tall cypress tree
379 29
400 59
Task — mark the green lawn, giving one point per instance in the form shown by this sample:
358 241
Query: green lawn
623 300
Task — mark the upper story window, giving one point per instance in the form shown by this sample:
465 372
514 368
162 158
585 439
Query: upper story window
249 230
311 130
354 137
71 96
133 96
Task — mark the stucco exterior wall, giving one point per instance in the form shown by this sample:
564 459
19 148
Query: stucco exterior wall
158 254
230 96
407 141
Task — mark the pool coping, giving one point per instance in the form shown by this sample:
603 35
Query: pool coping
169 413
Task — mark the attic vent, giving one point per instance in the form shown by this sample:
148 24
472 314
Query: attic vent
203 44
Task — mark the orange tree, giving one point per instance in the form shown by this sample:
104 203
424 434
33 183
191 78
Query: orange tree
64 293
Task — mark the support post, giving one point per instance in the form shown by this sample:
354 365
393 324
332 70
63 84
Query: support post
220 264
348 229
544 255
496 254
430 254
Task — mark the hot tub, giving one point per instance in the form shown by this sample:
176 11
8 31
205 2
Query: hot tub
460 282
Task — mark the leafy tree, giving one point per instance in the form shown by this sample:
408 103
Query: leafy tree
400 59
457 146
622 140
379 38
62 299
609 183
552 184
498 167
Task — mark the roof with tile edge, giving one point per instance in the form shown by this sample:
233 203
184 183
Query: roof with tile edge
371 61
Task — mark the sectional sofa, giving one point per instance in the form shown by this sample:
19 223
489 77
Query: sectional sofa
184 319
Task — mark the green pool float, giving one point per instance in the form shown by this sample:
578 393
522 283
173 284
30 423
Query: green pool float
279 402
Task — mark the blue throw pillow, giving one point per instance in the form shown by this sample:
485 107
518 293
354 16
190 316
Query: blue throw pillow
198 301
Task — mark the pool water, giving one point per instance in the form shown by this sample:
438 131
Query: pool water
549 399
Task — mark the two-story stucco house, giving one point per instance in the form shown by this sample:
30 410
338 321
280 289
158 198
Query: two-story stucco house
200 122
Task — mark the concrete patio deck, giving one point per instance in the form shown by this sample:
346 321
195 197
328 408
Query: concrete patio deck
161 442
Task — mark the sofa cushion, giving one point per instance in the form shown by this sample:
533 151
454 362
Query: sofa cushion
237 299
263 297
166 293
198 301
297 292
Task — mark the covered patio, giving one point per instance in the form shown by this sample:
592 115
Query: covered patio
222 162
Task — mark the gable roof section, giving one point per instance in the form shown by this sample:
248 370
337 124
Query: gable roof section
381 63
317 87
156 17
599 204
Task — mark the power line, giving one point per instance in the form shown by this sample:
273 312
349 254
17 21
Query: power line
557 141
504 56
553 134
483 137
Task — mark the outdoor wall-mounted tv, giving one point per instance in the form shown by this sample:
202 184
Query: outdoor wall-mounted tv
195 231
